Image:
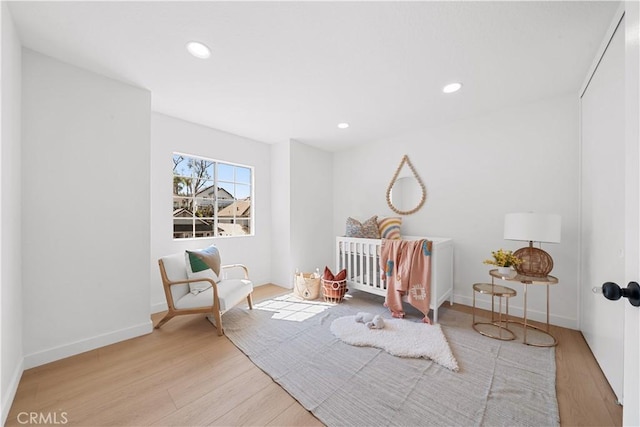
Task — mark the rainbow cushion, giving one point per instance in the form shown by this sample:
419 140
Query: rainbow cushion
390 228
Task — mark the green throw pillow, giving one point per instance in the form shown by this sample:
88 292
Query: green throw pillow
202 264
202 259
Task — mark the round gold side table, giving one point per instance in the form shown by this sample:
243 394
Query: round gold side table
526 281
503 333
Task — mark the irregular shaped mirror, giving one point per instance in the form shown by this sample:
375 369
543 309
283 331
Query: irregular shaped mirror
407 194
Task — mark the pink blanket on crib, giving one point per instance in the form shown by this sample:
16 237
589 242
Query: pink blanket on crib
406 266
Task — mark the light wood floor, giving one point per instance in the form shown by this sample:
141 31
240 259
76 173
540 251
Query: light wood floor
184 374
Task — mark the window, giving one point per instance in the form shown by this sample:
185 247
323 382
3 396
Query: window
211 198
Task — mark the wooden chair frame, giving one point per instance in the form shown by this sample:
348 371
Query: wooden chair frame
213 309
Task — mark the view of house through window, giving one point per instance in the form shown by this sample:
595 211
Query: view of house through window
210 198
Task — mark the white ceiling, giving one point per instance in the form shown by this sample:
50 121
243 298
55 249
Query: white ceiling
294 70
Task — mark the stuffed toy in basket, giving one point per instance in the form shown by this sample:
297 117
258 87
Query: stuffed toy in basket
334 286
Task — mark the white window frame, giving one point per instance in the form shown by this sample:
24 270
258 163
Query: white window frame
216 186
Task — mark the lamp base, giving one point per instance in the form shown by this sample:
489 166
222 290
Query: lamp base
535 262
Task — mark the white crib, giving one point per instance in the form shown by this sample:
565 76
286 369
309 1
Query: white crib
361 259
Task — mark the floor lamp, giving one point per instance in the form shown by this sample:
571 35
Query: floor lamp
533 227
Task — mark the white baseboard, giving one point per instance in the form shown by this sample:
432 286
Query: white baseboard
10 394
538 316
158 307
60 352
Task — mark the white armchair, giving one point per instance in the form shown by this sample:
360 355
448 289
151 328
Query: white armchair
217 298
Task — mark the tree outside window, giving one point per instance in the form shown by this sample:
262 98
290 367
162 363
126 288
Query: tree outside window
211 198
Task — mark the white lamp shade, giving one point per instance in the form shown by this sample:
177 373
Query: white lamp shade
532 227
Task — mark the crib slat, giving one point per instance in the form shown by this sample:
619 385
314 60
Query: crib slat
375 268
339 255
349 261
361 257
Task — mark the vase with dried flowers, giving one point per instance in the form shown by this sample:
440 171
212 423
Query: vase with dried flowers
504 260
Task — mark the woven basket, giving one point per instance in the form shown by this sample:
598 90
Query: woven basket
306 286
333 291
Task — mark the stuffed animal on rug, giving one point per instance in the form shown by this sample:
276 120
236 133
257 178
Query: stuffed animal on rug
370 321
363 317
376 323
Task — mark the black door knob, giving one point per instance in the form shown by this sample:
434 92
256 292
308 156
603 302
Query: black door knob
613 292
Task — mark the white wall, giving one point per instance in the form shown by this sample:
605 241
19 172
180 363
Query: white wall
303 238
85 209
311 195
10 272
516 160
169 135
282 264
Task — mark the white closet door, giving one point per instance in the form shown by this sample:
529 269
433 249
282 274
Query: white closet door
603 209
631 410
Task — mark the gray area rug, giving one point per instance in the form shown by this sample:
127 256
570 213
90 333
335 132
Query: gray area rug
500 383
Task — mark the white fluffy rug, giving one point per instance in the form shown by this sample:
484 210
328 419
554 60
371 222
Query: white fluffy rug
399 337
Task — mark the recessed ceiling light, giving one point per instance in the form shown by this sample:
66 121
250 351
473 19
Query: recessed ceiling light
198 50
452 87
343 125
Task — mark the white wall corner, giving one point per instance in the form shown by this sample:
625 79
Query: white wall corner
11 300
281 263
9 395
311 225
159 307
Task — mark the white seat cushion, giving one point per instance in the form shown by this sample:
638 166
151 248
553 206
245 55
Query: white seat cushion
198 287
230 292
202 299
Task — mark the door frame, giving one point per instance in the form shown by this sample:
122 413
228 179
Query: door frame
631 371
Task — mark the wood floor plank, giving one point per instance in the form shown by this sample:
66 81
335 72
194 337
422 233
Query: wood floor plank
295 415
80 364
574 386
107 371
602 386
215 404
259 410
141 401
184 374
210 379
144 409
